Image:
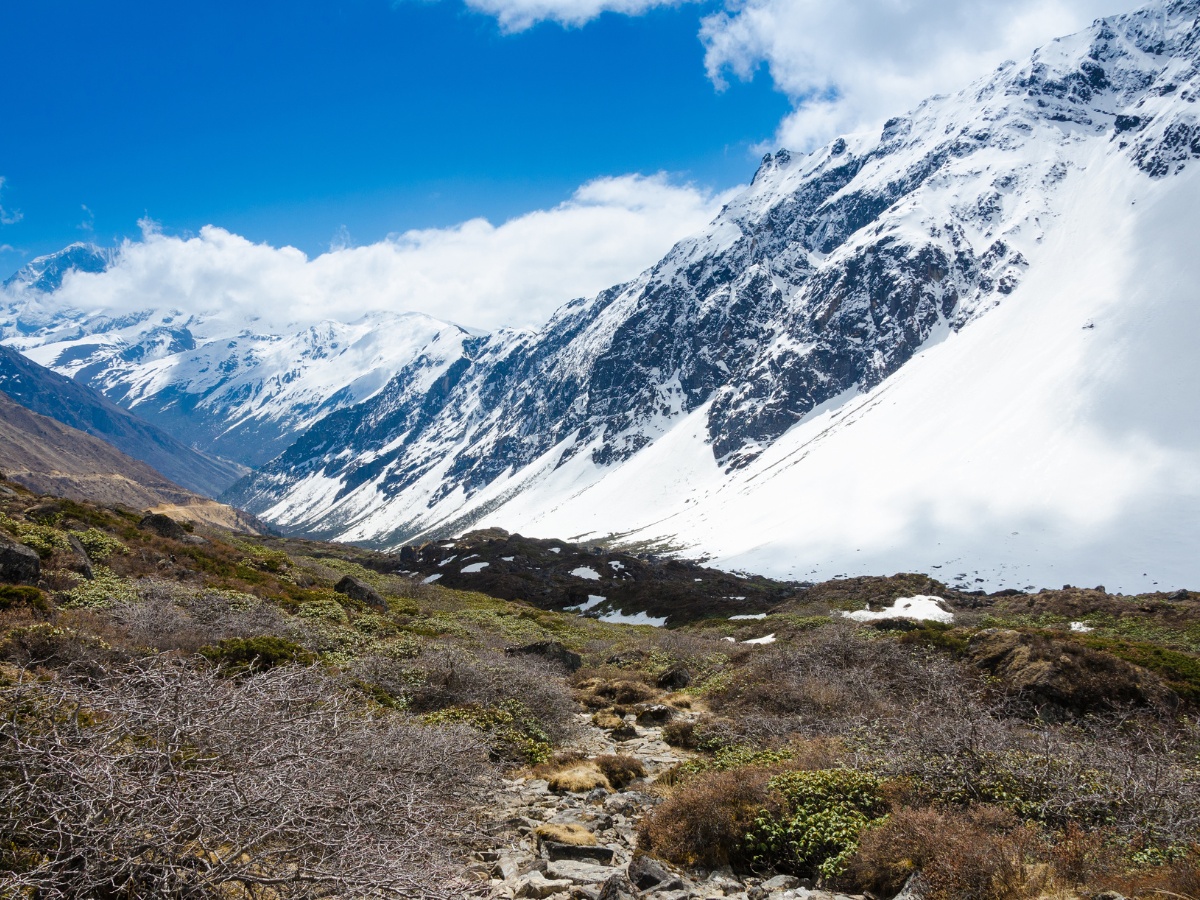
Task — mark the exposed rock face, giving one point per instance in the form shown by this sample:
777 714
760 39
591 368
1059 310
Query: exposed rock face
18 563
822 279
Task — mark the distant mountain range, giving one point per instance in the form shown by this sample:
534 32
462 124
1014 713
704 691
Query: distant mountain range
962 345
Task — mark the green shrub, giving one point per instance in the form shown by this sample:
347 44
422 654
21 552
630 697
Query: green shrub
239 655
105 589
44 539
514 732
815 829
100 545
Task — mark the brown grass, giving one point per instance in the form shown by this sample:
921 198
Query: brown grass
578 778
606 718
575 835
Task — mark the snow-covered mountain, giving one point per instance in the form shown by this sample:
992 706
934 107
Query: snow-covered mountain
961 345
218 380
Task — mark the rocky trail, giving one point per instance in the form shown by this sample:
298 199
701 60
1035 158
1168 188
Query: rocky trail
549 841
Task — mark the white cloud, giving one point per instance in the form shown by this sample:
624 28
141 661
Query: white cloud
518 15
849 66
475 274
9 217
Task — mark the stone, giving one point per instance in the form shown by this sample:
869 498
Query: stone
85 562
551 650
360 591
594 853
578 872
537 885
618 887
648 873
655 714
18 564
781 883
163 526
675 679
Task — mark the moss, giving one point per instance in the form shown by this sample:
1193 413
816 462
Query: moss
22 597
940 636
1181 671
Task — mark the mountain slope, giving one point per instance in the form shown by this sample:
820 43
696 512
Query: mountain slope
665 409
51 458
216 379
78 406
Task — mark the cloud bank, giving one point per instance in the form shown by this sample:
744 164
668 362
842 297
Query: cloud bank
475 274
849 66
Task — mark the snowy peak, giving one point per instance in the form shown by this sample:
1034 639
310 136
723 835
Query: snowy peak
46 273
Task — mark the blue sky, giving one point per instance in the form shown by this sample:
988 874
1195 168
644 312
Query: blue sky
285 121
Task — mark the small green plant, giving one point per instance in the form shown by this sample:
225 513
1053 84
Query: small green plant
820 815
43 539
514 731
100 545
240 655
105 589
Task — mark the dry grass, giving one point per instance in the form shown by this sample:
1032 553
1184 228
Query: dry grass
575 835
606 718
579 778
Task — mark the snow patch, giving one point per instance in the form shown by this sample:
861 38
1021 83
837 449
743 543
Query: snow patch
474 567
1081 628
921 607
432 578
620 618
586 572
766 639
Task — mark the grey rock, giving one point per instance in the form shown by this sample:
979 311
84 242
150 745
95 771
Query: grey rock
360 591
657 714
595 853
578 872
537 885
163 526
781 883
18 563
618 887
85 562
648 873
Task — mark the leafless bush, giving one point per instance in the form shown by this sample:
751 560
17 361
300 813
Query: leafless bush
170 781
450 676
170 616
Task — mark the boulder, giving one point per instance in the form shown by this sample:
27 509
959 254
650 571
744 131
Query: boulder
551 650
18 563
648 873
580 853
537 885
655 714
675 679
360 591
163 526
618 887
579 872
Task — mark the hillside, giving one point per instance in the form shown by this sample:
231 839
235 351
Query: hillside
307 720
80 407
47 456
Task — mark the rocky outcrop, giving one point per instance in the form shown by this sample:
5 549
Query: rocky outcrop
18 563
360 591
